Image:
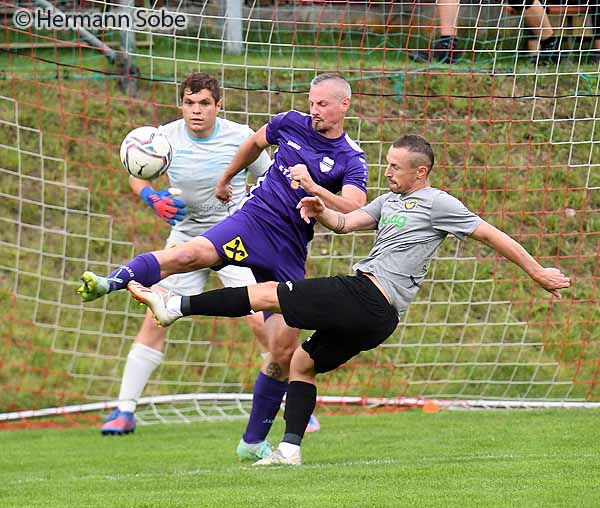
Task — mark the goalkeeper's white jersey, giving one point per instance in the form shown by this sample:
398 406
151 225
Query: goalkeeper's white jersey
197 165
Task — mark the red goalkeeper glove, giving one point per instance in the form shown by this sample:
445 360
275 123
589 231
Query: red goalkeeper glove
167 207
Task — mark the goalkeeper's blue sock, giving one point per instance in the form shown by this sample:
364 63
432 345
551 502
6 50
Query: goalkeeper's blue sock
144 269
268 394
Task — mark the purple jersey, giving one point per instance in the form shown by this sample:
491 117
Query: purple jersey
267 233
332 163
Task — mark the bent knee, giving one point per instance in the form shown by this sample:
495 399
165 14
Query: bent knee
185 257
282 352
271 286
302 365
196 254
268 291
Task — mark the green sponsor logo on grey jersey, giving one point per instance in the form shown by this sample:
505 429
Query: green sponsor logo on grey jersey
395 220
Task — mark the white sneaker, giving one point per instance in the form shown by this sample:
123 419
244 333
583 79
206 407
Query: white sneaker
156 300
277 458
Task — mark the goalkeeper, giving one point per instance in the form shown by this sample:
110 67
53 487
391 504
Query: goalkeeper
356 313
203 146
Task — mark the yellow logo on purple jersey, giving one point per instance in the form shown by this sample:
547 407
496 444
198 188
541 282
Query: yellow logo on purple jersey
235 250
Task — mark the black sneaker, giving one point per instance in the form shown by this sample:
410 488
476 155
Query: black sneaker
445 50
549 51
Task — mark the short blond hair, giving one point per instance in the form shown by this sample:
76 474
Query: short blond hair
344 86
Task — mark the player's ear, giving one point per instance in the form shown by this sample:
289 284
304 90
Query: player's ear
345 103
219 104
422 172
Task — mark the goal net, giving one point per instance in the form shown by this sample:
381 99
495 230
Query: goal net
515 140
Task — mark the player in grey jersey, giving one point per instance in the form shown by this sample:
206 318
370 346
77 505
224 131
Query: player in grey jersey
356 313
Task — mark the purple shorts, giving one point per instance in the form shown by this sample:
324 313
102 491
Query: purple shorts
263 246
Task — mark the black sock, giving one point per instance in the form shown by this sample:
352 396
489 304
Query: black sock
226 302
299 404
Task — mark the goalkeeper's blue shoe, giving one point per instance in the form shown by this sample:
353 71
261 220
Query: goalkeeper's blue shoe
118 423
93 286
313 424
253 452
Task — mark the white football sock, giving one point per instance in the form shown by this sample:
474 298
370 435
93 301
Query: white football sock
174 305
288 449
141 362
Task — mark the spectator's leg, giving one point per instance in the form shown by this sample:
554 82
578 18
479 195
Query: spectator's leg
595 13
445 49
536 19
447 12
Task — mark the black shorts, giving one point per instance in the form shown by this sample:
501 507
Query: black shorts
349 314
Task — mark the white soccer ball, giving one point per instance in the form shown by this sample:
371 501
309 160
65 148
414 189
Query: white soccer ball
146 153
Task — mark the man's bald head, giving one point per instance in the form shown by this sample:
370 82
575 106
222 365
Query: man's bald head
329 99
340 87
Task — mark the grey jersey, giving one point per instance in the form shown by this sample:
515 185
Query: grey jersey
197 166
410 229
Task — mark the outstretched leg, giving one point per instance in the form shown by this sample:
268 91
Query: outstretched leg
226 302
151 267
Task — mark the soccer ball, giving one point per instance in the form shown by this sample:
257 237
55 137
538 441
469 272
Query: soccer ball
146 153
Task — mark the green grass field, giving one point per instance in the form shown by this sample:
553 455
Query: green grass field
450 459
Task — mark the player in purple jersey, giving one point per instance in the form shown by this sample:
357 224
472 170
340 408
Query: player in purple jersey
314 157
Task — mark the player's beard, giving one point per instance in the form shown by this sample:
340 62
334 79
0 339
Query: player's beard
319 126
